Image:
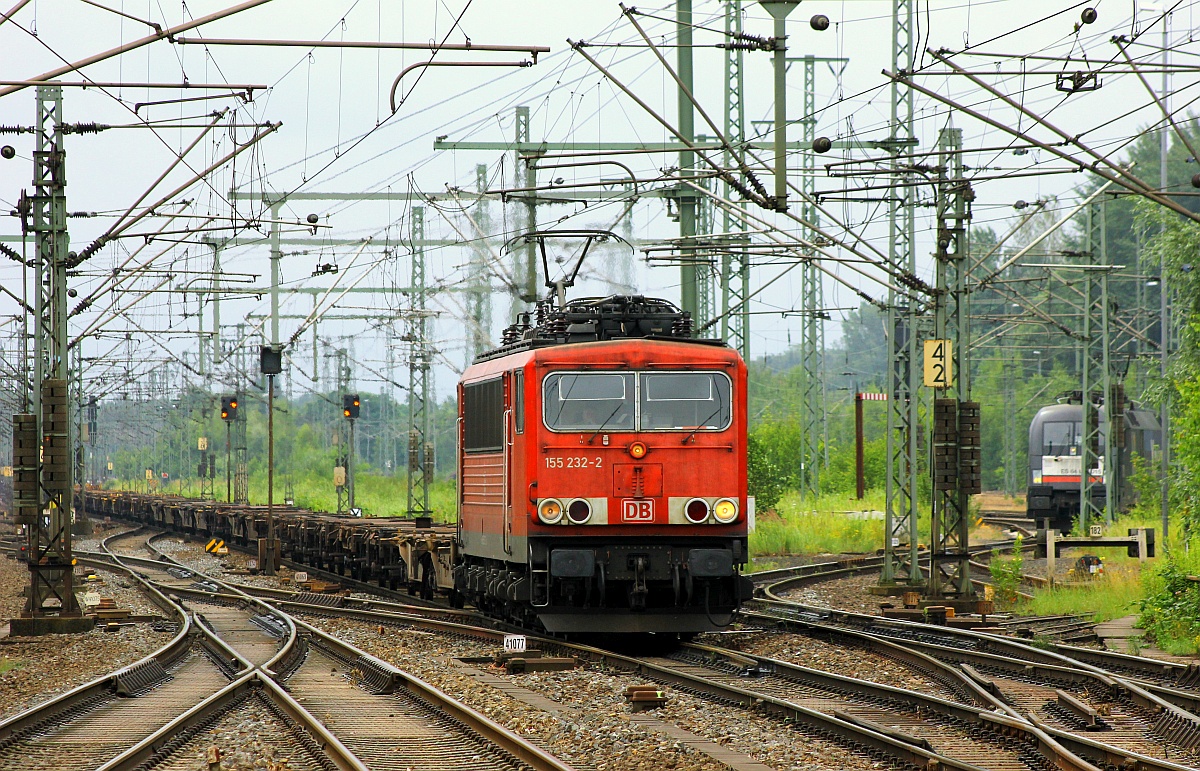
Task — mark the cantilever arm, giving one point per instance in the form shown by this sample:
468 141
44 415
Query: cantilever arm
420 65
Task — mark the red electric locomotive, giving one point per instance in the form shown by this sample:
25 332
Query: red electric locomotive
602 472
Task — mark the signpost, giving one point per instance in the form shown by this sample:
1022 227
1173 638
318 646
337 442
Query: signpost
938 368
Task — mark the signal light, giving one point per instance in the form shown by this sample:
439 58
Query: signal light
550 511
637 450
580 511
350 406
229 408
696 510
725 511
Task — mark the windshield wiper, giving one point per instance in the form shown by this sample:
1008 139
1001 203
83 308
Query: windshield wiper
612 415
703 423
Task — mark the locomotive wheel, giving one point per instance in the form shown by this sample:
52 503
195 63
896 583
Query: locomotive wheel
428 580
457 600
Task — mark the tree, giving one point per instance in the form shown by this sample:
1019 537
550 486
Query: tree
1176 242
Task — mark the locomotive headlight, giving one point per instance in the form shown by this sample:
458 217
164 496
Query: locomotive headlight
696 510
725 511
637 450
579 511
550 511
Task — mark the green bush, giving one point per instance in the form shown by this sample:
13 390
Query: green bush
1006 574
765 478
1171 610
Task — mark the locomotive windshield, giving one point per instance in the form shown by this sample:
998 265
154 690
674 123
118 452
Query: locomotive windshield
644 401
585 402
684 401
1061 438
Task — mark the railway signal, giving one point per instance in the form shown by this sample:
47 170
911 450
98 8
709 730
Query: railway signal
351 405
229 408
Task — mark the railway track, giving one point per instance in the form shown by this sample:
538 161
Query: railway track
846 719
975 730
233 650
1023 525
867 717
816 572
972 727
1162 674
90 726
1137 706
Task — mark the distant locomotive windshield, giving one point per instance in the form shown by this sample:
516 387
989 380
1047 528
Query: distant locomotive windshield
644 401
1060 438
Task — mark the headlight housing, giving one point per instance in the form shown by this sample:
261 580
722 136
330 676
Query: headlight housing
550 511
696 510
579 511
725 511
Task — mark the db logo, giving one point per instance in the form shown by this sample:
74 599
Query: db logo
637 511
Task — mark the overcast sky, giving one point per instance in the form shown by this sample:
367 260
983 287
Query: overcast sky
338 135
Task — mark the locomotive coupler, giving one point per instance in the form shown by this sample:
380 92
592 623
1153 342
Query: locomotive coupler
637 595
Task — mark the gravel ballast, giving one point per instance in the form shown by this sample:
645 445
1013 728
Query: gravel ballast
249 738
594 728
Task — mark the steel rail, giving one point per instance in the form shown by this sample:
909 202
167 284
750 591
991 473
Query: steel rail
1173 706
984 692
148 673
251 678
389 678
1153 672
28 720
1008 722
493 634
846 566
845 731
984 716
1053 743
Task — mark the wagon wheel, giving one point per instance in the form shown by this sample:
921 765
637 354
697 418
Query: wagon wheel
428 579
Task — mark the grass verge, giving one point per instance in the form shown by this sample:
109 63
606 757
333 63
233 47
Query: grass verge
1117 593
830 524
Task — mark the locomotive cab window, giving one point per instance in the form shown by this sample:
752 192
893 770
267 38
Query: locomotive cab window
483 416
518 401
1061 438
645 401
589 401
684 401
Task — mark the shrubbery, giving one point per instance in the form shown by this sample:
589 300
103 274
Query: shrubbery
767 481
1006 574
1171 610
